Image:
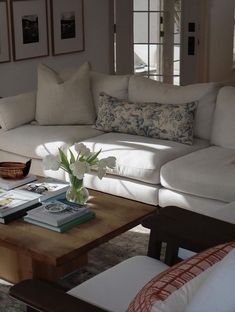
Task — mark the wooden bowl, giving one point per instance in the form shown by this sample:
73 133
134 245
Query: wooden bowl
14 170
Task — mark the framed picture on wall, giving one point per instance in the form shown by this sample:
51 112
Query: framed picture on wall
67 26
29 28
4 33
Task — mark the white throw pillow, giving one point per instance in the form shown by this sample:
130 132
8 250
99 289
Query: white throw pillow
62 102
217 293
17 110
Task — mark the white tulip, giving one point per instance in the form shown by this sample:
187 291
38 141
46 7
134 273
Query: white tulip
82 149
51 162
79 168
111 162
101 172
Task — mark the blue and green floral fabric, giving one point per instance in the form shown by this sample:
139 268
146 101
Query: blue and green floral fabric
174 122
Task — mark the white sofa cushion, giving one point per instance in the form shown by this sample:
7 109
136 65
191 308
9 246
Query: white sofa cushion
114 288
202 205
172 122
216 294
37 141
139 157
146 90
206 173
64 102
223 130
114 85
123 187
17 110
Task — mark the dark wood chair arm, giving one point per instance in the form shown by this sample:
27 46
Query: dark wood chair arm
45 297
183 228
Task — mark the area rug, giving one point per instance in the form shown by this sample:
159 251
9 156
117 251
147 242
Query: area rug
131 243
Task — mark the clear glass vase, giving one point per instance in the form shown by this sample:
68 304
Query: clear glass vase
76 192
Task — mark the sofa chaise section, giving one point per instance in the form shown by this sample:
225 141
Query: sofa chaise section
205 180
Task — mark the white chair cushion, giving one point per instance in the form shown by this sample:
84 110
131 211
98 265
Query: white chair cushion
114 288
146 90
139 157
206 173
37 141
223 130
62 102
17 110
216 294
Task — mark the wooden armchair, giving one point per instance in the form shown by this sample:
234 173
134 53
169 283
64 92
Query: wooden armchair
174 226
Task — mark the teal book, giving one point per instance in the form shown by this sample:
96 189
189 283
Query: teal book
62 228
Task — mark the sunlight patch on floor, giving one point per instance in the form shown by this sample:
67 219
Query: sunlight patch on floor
5 283
140 229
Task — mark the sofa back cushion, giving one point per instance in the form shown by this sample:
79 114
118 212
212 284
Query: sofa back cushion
175 287
146 90
223 130
64 102
114 85
17 110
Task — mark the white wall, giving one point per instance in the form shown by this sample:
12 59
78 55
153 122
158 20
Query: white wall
21 76
221 40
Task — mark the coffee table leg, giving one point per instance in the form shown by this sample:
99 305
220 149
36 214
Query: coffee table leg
154 246
16 266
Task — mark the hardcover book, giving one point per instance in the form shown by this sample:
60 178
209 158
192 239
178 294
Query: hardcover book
15 200
56 213
62 228
8 184
46 187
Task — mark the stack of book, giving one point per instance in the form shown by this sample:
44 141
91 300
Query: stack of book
14 203
58 215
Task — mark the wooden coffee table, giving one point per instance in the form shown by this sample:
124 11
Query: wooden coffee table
29 251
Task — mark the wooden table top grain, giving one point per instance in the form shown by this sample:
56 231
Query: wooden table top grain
114 215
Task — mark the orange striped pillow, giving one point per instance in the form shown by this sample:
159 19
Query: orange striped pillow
159 292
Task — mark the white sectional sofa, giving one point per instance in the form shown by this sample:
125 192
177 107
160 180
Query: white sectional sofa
199 177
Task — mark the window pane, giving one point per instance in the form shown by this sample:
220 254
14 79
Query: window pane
155 59
176 38
156 30
176 81
140 58
157 78
176 53
140 27
156 5
140 5
177 22
176 68
178 5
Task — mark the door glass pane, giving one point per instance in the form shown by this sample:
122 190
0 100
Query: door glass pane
156 5
177 5
140 58
157 78
176 81
176 68
140 5
176 53
155 28
140 27
155 59
157 39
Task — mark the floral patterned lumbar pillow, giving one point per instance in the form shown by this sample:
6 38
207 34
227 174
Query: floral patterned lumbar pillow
174 122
